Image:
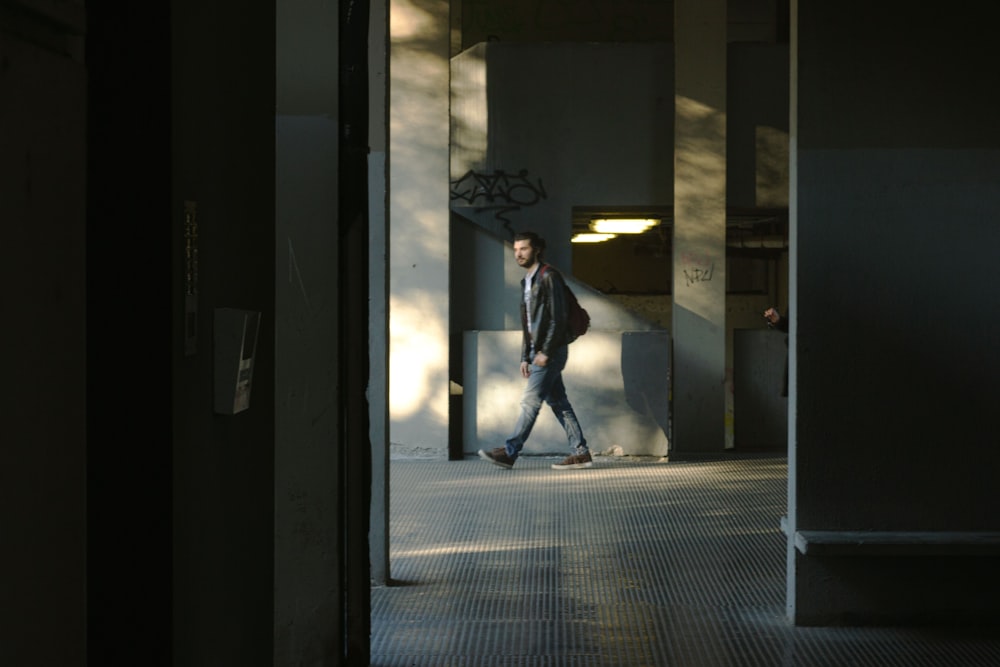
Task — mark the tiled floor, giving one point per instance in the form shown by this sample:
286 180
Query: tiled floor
634 562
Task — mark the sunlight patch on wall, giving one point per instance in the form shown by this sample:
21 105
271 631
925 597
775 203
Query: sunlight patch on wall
693 110
700 148
469 111
408 21
699 267
418 344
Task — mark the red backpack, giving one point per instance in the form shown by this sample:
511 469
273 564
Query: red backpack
577 318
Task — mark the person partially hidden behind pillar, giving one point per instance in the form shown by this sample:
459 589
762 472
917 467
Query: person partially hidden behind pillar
776 321
544 351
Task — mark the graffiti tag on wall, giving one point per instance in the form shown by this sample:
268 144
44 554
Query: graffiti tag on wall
481 188
697 268
498 191
697 274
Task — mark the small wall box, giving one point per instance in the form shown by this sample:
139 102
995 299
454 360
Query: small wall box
235 342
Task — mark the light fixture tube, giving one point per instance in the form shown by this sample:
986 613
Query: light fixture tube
591 238
623 225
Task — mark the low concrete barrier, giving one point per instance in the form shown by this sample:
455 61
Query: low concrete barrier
617 381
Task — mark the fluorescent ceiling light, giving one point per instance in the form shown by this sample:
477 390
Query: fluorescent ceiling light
591 238
623 225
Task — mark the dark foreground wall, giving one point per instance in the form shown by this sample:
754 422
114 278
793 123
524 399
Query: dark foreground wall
154 157
43 410
894 297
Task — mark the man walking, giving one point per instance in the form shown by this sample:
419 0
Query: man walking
544 350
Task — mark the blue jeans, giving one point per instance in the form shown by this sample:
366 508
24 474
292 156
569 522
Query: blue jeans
545 383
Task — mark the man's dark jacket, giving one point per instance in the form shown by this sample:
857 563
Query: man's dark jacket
548 313
782 325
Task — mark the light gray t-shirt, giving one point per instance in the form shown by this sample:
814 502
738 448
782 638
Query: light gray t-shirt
527 293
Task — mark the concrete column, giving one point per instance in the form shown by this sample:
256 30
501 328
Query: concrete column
699 260
378 323
309 560
418 230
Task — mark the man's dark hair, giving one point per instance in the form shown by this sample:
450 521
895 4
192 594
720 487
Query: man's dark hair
537 242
